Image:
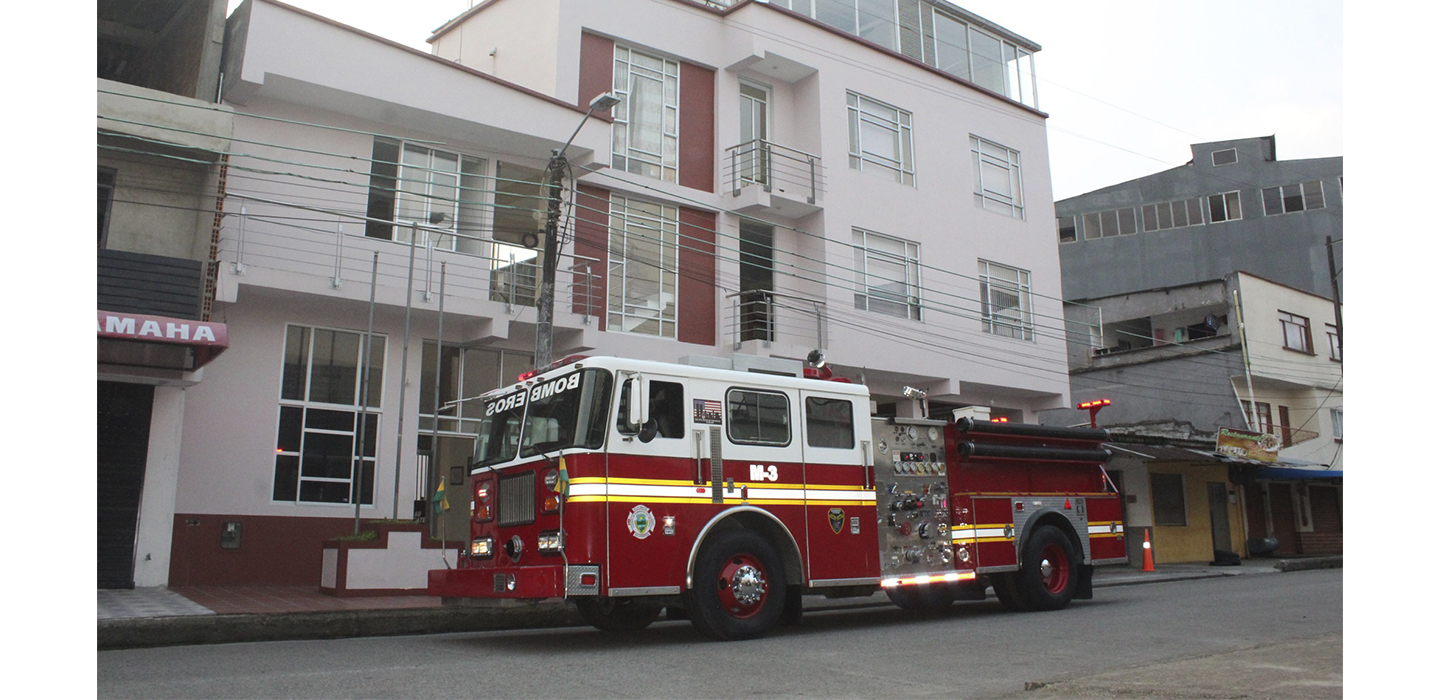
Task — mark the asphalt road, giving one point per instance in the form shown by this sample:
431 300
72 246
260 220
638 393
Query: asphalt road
1275 636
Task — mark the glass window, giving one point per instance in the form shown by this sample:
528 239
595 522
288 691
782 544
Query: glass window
1224 157
410 183
997 177
667 411
1005 301
1167 499
880 139
1286 199
1168 215
829 422
949 43
644 267
1224 207
1065 226
1296 332
551 415
877 22
318 456
952 47
986 66
646 137
887 275
758 417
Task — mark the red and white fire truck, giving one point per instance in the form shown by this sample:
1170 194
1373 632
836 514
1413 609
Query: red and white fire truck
630 487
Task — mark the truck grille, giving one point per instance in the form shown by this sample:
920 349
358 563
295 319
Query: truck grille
517 499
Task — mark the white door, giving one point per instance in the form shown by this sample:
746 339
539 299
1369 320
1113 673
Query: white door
754 132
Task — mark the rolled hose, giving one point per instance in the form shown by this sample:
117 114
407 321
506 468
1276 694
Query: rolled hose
1049 454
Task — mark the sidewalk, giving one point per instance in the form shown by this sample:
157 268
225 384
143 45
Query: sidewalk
149 617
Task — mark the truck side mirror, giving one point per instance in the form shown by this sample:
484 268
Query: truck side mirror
637 402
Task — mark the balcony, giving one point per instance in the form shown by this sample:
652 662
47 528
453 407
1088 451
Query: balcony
769 319
1119 356
262 251
767 178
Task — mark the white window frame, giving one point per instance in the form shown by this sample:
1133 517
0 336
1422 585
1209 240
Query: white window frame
1229 205
882 297
1000 319
1073 227
1337 423
897 123
1215 159
420 188
626 155
1308 195
986 154
305 404
1153 216
635 226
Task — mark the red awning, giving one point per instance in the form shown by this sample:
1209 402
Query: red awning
205 340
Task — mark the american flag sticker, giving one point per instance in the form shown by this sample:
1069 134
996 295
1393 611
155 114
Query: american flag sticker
707 412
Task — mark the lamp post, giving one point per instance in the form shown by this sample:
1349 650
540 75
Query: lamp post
545 305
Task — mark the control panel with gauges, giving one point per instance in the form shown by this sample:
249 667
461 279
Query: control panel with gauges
912 497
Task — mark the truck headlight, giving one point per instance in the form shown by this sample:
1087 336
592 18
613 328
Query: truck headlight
483 547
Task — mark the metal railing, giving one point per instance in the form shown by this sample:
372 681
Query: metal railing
254 241
772 317
769 165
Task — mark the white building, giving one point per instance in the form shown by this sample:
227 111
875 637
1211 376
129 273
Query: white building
774 181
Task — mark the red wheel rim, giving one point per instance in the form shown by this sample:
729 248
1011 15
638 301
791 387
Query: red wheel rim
743 585
1054 568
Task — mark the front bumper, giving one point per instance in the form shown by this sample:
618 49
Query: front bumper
543 581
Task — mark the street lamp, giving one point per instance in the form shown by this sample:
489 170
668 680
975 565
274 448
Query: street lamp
545 305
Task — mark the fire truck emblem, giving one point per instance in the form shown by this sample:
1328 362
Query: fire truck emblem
837 520
641 522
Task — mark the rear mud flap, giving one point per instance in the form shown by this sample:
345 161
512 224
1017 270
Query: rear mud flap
1084 589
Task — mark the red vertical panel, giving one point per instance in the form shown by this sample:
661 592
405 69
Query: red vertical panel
697 127
597 67
697 277
592 239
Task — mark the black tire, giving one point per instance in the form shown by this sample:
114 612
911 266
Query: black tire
1049 572
738 589
617 614
936 596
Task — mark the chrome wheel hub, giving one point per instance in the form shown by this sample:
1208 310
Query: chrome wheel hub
747 585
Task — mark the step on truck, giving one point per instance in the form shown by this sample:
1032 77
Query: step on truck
632 487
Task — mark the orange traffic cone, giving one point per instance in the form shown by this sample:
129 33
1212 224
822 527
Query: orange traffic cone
1148 563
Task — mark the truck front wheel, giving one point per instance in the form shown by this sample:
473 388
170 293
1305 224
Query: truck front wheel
1050 573
739 587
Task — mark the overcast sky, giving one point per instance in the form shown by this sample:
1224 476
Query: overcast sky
1128 84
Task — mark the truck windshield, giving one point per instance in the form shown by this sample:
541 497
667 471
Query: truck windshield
554 414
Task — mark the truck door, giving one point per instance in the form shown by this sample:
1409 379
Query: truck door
650 471
840 524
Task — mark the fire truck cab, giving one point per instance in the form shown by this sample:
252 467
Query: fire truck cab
630 487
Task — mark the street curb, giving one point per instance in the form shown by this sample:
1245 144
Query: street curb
1336 562
224 629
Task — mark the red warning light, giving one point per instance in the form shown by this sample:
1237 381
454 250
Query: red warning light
1094 407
